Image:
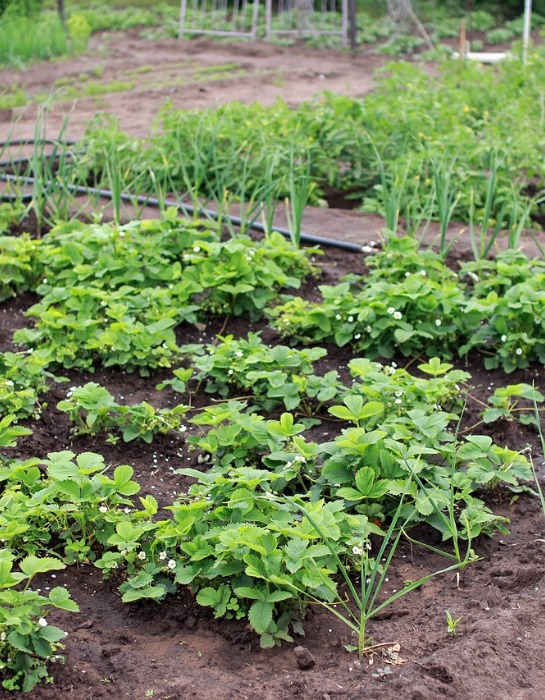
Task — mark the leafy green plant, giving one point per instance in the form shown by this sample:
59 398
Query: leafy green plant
268 376
248 549
501 35
511 328
11 213
400 391
364 603
504 404
401 45
482 21
396 308
18 270
28 643
94 410
73 500
23 377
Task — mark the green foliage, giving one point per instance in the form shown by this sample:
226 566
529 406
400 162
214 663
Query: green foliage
499 36
400 308
508 303
23 377
114 295
504 404
401 45
247 549
267 375
72 506
41 36
94 410
27 641
19 269
482 21
11 213
413 306
464 115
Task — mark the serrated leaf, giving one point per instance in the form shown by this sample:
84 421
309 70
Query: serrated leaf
342 412
122 480
266 641
424 505
89 462
8 578
278 596
60 466
151 592
60 598
32 565
42 647
493 414
140 580
260 615
349 494
130 433
52 634
364 480
402 335
208 597
248 592
20 642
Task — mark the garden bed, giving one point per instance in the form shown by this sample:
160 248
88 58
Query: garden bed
176 649
115 311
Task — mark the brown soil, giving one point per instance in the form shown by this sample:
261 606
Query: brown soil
191 74
177 650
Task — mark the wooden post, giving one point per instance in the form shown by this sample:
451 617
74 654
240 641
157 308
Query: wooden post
62 13
352 24
463 41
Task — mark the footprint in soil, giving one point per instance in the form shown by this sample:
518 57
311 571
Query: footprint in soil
439 673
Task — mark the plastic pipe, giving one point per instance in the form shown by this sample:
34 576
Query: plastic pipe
527 27
187 208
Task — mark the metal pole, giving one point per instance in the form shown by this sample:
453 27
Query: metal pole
527 27
255 16
183 10
268 20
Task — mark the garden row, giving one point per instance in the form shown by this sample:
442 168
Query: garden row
277 520
463 145
114 295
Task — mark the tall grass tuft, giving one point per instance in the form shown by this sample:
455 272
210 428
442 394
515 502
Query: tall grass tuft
27 39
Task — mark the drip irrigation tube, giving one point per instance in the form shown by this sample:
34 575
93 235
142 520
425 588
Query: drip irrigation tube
186 208
31 142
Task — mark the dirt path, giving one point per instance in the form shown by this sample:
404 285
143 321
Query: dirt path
132 78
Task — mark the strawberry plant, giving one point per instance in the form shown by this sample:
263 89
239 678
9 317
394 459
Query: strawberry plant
410 316
70 507
94 410
23 377
400 391
504 404
269 376
129 328
28 643
19 271
10 215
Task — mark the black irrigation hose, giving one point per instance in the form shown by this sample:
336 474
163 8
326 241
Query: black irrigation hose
30 142
14 197
33 142
187 208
